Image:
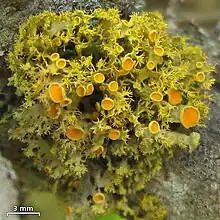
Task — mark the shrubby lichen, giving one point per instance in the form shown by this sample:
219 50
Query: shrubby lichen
119 94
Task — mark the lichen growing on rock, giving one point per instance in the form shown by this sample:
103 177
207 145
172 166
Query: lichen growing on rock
100 91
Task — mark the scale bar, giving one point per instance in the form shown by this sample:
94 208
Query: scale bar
23 213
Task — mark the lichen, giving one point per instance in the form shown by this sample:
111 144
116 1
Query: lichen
103 91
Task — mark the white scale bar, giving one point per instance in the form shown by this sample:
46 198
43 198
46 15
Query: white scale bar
23 213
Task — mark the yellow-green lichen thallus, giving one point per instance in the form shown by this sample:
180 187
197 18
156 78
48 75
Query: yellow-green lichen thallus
110 92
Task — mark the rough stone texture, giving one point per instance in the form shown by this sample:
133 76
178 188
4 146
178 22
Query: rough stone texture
8 191
190 183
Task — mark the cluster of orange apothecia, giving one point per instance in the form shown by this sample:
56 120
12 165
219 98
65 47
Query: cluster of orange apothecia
101 89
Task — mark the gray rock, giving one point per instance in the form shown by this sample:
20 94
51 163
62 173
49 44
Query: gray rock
8 191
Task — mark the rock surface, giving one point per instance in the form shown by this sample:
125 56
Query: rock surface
190 183
8 191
